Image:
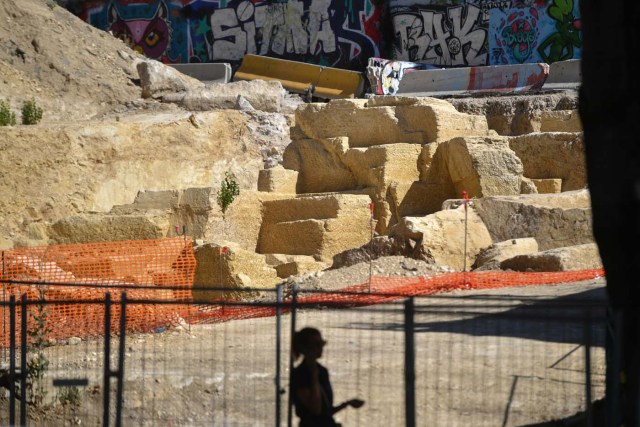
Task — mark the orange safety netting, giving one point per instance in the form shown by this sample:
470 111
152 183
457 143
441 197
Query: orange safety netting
160 269
163 270
384 289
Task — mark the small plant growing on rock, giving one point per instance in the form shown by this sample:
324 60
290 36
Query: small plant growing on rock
69 396
31 113
229 190
7 117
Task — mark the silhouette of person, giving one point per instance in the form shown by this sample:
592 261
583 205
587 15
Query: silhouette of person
310 386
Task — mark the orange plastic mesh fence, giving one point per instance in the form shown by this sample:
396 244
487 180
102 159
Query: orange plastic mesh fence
384 289
154 268
88 271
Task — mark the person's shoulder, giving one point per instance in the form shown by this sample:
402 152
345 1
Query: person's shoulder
322 368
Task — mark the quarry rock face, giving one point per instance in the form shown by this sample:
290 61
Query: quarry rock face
94 168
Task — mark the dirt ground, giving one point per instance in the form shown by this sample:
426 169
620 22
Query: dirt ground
481 359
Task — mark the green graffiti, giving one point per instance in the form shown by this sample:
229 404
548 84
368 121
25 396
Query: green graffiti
559 45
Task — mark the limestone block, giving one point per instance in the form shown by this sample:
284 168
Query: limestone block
548 186
482 166
199 212
232 268
442 236
303 237
157 79
516 115
344 117
381 165
166 199
408 199
572 258
298 266
319 226
439 120
319 165
105 228
560 121
553 155
554 220
527 186
277 180
276 259
262 95
491 257
425 159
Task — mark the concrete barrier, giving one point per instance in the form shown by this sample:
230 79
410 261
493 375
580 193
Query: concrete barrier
513 77
206 72
564 75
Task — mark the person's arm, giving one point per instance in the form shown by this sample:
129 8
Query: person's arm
311 397
354 403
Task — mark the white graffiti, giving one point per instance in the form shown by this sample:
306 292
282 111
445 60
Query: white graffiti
430 38
271 28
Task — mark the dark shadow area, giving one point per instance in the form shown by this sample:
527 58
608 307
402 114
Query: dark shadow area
559 320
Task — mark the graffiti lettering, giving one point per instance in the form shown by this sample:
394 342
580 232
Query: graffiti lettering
429 37
285 28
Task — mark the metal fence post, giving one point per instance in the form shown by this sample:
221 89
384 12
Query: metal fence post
120 373
23 362
587 368
294 300
409 364
106 371
278 350
12 360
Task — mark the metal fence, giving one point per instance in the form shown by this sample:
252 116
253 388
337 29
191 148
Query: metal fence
481 360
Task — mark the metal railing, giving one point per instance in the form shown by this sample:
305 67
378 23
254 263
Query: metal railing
438 360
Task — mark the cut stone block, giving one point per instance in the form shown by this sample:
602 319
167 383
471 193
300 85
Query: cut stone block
227 265
548 186
277 180
491 257
553 155
318 226
442 236
572 258
298 266
560 121
105 228
413 121
554 220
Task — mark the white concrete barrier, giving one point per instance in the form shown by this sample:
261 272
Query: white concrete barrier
206 72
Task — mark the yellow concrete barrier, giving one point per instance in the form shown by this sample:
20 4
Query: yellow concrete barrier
300 77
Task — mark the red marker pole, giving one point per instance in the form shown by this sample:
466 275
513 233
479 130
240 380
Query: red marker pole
465 201
370 244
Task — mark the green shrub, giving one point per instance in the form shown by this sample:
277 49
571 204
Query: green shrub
229 190
7 117
31 113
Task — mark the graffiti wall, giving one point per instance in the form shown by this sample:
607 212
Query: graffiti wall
480 32
338 33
